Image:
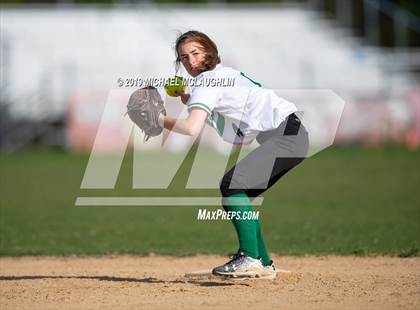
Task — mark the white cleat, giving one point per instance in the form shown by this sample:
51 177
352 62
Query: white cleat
240 266
269 272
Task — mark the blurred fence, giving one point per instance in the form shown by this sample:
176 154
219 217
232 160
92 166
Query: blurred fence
60 63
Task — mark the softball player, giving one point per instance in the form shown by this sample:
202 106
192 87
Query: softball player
239 114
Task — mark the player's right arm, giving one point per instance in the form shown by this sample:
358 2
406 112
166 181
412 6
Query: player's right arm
191 126
200 104
185 96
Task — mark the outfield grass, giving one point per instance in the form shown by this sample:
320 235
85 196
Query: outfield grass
342 201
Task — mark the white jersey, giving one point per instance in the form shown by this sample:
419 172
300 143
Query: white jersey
240 111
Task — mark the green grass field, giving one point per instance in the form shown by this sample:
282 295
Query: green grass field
349 200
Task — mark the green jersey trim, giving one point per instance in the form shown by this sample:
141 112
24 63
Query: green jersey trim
200 105
218 124
237 131
256 83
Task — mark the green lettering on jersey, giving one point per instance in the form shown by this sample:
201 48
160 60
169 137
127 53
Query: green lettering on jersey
237 130
218 122
256 83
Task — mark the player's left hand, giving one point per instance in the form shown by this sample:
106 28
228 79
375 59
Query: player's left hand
144 107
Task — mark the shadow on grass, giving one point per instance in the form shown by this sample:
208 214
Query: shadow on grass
150 280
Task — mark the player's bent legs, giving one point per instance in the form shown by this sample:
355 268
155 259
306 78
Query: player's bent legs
246 262
253 175
262 248
246 229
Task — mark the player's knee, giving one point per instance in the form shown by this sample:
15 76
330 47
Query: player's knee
224 187
229 187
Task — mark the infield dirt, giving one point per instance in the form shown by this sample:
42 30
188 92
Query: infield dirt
158 282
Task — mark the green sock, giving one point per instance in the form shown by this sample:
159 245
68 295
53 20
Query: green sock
245 229
262 249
